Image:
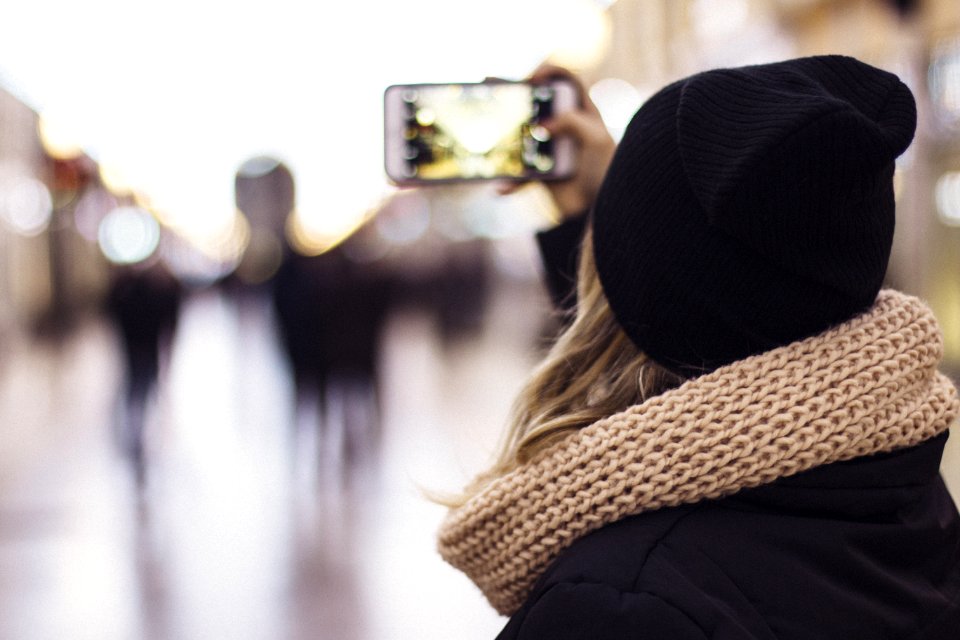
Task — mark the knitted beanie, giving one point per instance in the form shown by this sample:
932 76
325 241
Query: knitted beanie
748 208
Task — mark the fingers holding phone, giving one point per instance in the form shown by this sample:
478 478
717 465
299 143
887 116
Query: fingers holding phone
545 129
595 145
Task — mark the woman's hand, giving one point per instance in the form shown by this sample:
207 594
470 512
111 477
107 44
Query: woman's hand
575 195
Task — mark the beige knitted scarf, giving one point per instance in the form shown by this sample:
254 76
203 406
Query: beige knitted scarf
867 386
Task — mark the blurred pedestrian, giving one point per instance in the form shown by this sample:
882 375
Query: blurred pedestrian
331 311
144 303
738 435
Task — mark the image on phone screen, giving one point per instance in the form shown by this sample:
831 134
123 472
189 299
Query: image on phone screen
472 131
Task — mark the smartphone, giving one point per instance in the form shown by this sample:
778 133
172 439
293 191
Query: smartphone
476 131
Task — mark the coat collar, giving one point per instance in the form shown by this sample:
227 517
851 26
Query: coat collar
870 487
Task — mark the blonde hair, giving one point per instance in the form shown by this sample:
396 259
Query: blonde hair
592 371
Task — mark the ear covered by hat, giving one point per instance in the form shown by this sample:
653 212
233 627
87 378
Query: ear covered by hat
748 208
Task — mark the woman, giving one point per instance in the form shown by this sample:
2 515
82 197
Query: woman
739 434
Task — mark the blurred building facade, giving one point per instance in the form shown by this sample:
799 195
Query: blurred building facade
24 292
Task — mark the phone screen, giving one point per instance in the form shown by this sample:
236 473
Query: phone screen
472 131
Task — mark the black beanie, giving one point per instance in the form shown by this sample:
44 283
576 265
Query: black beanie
747 208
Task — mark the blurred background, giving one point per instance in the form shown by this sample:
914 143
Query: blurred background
188 191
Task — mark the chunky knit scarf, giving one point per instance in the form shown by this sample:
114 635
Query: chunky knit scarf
867 386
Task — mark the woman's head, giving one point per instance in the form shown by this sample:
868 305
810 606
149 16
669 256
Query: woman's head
748 208
744 209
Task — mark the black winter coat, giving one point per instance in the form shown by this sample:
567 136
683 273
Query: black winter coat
867 549
860 550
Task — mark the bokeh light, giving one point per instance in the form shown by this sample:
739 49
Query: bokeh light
617 101
59 138
25 205
128 235
944 81
947 194
90 210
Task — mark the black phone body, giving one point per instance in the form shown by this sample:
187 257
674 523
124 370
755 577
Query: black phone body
476 131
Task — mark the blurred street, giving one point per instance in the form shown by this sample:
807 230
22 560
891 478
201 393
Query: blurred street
246 524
